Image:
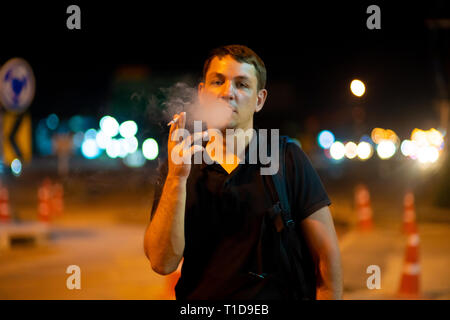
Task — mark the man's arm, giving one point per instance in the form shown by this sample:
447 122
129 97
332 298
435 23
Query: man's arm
164 237
320 235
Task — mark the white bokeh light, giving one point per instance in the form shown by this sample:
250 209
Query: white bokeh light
128 129
131 144
408 148
386 149
123 148
150 149
364 150
16 167
113 148
102 139
357 87
109 126
337 150
90 149
427 154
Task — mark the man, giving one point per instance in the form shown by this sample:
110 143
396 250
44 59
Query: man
215 215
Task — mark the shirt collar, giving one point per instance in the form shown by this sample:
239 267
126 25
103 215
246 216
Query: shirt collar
255 139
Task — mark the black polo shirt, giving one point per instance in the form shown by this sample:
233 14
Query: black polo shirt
225 227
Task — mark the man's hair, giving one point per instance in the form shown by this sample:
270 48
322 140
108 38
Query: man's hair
241 54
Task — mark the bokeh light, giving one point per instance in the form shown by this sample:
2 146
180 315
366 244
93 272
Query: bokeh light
364 150
43 138
109 126
377 135
76 123
427 154
350 150
16 167
77 139
150 149
380 134
426 145
366 138
435 137
52 121
102 139
419 137
357 87
135 159
123 148
392 136
325 139
131 144
128 129
337 150
386 149
90 149
90 134
408 148
113 148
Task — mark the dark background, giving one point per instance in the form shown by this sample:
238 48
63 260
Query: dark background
311 51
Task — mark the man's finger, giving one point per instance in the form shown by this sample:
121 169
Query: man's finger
182 120
173 125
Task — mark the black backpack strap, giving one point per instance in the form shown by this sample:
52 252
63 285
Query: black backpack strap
279 183
290 245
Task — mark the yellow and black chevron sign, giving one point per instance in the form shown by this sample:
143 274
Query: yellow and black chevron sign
16 137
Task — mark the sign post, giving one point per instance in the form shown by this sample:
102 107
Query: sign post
17 88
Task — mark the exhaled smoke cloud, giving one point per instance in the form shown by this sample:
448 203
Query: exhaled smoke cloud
214 113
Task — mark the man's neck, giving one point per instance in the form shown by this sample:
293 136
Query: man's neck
239 139
233 146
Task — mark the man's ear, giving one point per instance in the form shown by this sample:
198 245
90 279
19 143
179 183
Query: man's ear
262 95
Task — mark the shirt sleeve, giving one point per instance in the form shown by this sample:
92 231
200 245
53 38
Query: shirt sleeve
158 186
307 192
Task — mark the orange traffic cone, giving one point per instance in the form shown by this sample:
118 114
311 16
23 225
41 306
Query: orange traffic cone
5 215
44 196
57 201
409 214
363 208
172 280
409 286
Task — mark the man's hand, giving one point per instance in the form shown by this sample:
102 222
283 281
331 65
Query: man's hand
181 147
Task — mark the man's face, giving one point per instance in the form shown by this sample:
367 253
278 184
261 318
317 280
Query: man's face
231 84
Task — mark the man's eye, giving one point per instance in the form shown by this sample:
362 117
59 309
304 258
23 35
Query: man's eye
242 85
216 82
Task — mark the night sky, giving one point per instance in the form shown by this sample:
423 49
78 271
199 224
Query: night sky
311 52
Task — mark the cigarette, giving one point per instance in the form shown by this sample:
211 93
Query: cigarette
173 121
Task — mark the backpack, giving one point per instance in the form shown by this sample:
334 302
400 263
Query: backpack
302 284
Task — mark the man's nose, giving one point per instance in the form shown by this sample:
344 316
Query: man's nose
227 91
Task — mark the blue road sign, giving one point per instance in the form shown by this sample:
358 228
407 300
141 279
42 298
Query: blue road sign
17 85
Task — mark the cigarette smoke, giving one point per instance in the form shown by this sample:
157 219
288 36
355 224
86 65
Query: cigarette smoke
181 97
